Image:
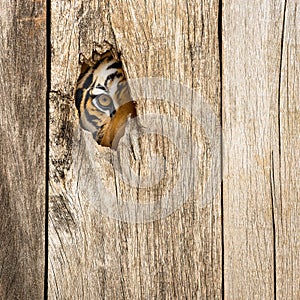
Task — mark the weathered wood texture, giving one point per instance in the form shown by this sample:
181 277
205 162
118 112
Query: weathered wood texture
169 253
22 150
261 149
287 207
102 246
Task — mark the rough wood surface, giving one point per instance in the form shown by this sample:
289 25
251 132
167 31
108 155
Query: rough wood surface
261 149
22 149
111 235
144 222
138 246
287 204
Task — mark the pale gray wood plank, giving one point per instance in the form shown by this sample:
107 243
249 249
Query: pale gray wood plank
287 204
252 93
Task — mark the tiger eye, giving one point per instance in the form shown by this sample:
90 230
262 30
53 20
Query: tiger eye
104 100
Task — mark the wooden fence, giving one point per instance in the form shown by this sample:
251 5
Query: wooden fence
223 220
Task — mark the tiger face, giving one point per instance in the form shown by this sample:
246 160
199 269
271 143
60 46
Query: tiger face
103 98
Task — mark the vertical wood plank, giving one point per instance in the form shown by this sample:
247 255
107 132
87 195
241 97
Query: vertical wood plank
91 254
260 197
22 148
287 204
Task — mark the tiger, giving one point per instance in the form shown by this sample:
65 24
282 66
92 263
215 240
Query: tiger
103 99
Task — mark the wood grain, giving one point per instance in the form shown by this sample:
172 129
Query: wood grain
22 149
261 147
93 253
287 215
112 235
98 249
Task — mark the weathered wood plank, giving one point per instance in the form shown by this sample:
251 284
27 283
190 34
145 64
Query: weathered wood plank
22 148
260 146
93 253
287 204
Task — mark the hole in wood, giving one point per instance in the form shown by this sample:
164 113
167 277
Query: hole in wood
103 99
